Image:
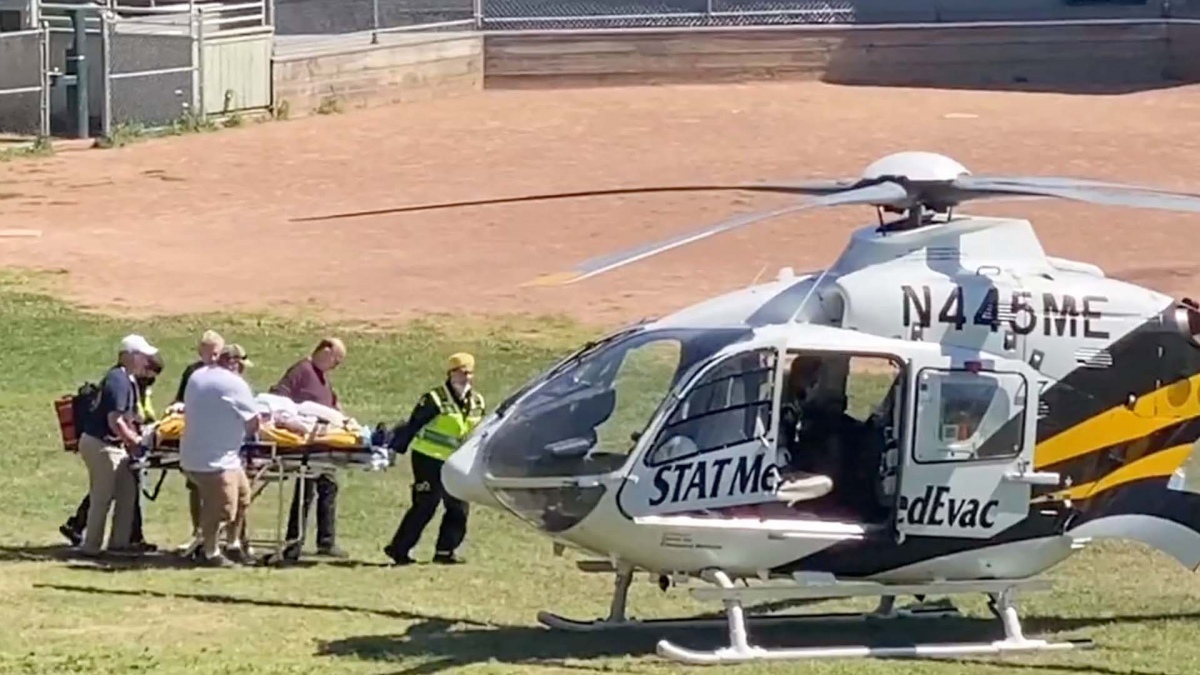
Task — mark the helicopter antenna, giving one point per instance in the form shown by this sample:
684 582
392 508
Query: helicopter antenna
811 290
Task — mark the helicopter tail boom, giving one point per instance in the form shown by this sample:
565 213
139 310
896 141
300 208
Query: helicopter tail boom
1162 512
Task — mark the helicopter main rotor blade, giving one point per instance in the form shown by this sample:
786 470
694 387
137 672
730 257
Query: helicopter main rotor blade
882 193
817 187
1093 192
1064 182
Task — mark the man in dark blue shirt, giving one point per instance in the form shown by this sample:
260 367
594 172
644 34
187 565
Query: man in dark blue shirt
74 527
106 443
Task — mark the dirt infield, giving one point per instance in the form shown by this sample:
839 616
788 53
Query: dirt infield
203 222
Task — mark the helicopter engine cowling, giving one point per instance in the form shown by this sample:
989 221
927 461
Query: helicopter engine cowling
1187 320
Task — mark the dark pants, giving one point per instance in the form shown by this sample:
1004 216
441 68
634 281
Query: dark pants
78 522
427 492
325 489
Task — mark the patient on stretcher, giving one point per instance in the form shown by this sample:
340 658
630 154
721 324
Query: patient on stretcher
288 425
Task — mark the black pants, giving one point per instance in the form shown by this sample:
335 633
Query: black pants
427 492
78 522
325 489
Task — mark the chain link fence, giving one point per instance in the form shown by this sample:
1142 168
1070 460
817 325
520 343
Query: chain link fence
311 27
152 70
151 66
23 105
568 14
340 17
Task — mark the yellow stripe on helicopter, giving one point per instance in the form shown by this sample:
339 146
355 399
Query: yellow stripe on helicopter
1162 463
1152 412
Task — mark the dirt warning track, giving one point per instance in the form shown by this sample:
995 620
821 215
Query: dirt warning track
207 220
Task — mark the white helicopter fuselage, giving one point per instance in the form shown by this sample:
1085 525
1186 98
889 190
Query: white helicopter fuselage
952 305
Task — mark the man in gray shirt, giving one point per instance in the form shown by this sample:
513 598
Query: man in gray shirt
220 412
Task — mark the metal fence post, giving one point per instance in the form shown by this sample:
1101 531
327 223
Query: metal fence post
44 60
374 22
80 69
477 8
198 67
106 27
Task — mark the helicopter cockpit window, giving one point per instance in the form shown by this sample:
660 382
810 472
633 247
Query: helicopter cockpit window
584 417
964 416
730 404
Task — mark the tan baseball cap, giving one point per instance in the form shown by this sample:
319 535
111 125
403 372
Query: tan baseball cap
235 351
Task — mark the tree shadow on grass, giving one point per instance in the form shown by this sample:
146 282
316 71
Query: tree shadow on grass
441 623
437 649
161 559
439 643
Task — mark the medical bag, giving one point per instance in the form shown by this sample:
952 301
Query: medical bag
72 410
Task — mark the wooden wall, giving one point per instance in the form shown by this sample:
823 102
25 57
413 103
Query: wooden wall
927 55
403 69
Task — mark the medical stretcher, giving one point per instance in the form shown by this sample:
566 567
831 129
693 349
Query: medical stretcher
274 455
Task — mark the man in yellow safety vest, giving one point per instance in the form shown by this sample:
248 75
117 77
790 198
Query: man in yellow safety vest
436 427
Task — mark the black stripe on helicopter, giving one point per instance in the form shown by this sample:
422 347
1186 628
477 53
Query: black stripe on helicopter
1096 464
1152 355
865 557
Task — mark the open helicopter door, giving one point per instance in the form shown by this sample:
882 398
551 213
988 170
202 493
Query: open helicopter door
966 467
714 445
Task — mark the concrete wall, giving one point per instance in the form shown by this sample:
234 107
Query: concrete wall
1183 9
1184 46
406 68
1049 55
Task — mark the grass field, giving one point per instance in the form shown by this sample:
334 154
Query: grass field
63 616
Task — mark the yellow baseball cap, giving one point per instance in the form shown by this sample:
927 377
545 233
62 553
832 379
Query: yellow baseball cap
462 360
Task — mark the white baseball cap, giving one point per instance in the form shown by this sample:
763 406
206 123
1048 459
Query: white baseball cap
138 345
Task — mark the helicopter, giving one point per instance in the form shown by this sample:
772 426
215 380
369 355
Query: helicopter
946 409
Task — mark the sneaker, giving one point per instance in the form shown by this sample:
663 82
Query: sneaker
76 538
241 556
331 552
398 559
447 559
137 549
217 560
291 553
799 486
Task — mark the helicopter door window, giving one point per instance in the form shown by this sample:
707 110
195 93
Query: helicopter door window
967 416
642 380
730 405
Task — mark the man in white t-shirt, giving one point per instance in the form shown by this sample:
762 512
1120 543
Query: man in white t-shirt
220 412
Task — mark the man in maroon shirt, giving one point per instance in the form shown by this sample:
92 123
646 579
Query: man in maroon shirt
308 380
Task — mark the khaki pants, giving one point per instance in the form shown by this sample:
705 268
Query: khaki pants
110 480
224 498
193 505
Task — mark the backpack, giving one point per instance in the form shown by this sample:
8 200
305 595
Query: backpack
73 410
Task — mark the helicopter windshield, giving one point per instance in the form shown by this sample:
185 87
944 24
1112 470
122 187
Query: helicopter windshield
585 418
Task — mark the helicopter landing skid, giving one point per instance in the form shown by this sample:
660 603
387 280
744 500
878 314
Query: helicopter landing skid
618 620
740 650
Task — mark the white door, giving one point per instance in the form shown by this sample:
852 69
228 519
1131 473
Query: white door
716 446
967 456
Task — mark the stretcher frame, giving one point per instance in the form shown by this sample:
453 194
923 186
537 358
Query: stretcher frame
264 464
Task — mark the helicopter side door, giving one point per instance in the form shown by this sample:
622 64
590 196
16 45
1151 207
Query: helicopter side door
967 455
715 446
